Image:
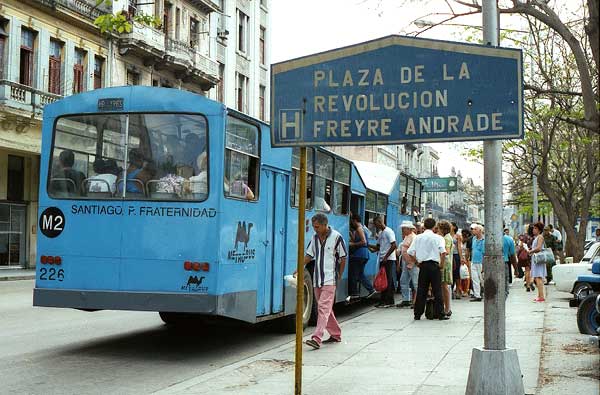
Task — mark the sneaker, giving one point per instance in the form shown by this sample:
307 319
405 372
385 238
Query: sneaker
532 287
371 294
539 300
332 340
404 303
313 343
476 300
417 318
443 317
528 289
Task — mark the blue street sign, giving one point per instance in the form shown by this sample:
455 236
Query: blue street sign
397 90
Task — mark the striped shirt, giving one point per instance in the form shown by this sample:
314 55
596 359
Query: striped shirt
327 255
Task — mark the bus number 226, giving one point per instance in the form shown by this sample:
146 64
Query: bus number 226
52 274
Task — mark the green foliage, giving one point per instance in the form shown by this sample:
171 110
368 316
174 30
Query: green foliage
121 22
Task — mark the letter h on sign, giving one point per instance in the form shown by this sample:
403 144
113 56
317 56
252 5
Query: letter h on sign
290 124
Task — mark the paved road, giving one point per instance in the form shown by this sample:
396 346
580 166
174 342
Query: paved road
63 351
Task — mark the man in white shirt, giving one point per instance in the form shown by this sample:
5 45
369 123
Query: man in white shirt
387 258
558 250
328 250
429 249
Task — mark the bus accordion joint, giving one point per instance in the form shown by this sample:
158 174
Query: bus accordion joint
51 260
196 266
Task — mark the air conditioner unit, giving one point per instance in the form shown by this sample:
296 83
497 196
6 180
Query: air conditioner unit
222 33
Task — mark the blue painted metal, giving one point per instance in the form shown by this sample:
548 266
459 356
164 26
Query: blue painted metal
115 247
398 90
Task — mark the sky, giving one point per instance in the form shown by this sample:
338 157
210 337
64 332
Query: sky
304 27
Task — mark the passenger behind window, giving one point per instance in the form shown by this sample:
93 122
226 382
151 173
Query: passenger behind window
238 188
193 148
106 176
65 178
135 180
321 204
198 185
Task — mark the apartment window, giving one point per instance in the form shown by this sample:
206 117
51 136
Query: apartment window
167 19
221 84
243 22
133 78
177 22
54 65
194 32
98 68
16 178
262 50
261 100
26 57
242 92
78 72
3 41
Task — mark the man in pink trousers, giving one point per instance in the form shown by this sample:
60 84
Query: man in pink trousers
328 250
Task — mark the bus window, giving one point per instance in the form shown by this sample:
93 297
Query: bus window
174 156
81 143
341 186
323 181
310 166
163 156
370 210
242 159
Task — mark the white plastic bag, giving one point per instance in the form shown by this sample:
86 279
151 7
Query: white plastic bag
291 280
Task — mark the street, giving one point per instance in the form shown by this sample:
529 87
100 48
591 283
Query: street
63 351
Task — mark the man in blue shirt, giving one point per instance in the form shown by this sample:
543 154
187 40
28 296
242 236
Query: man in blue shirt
478 249
508 250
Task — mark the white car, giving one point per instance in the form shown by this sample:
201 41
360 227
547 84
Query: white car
565 275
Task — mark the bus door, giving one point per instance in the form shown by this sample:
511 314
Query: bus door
275 192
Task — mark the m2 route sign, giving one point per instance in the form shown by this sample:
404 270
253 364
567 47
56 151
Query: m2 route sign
397 90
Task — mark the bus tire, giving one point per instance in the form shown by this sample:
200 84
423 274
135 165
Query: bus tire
588 319
309 314
175 319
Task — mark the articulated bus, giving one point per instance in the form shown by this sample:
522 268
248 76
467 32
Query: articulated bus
156 199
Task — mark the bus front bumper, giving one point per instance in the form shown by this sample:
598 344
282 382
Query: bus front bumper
237 305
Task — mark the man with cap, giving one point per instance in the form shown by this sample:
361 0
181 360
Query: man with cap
410 271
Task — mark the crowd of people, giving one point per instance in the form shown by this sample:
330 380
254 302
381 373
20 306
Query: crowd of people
433 264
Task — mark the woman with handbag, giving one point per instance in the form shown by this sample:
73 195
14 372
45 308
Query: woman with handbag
524 261
538 266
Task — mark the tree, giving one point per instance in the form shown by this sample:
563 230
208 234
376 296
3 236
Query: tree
562 106
122 21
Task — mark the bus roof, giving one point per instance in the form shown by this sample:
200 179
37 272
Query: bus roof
154 100
376 177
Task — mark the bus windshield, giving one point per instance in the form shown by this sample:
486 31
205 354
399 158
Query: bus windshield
130 156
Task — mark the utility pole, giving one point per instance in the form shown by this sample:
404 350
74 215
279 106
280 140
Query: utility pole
494 368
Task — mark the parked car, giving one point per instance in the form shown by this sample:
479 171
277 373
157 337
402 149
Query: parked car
587 244
565 275
588 316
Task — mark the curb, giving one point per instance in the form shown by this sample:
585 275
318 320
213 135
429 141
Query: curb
15 278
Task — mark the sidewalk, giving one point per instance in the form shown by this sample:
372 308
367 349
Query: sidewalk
386 351
16 274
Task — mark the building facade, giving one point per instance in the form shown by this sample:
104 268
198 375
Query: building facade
51 49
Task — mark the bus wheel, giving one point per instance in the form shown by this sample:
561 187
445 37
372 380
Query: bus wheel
309 312
175 319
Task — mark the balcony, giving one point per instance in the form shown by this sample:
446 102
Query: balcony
145 42
22 100
189 65
207 5
77 9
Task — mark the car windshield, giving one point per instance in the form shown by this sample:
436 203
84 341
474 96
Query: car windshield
590 253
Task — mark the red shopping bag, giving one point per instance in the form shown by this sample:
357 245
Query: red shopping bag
381 282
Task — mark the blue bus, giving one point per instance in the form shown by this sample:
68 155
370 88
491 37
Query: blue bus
155 199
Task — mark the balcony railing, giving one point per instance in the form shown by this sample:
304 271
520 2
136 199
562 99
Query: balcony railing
85 8
179 49
145 39
24 98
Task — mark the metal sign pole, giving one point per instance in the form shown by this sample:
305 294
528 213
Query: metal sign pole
300 270
494 369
